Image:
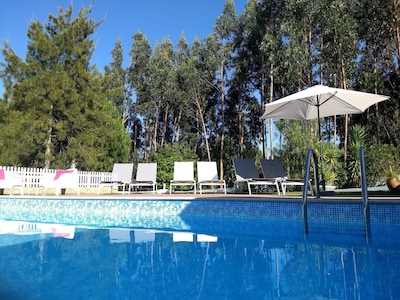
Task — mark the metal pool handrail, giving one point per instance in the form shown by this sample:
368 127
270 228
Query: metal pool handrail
310 155
364 194
364 190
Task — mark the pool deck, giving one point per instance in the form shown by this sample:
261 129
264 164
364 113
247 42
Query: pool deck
215 196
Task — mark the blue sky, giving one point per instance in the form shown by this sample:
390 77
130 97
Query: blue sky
156 19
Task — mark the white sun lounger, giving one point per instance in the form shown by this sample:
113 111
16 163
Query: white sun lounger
207 175
183 176
146 176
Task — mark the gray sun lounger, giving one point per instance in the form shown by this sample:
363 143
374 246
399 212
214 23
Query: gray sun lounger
246 171
121 176
273 168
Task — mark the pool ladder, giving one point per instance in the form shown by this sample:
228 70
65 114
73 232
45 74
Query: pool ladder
312 157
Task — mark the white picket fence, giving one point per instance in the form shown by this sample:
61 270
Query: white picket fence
31 176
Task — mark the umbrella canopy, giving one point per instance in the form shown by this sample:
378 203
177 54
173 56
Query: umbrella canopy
320 101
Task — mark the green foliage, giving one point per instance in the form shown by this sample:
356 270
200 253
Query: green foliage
390 173
297 140
333 163
13 150
114 81
112 144
56 112
379 160
357 138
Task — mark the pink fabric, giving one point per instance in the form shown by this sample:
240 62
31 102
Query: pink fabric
2 175
59 234
60 172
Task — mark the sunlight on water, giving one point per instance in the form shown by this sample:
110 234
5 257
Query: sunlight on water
53 261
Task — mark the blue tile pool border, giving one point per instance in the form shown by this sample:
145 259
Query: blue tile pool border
189 213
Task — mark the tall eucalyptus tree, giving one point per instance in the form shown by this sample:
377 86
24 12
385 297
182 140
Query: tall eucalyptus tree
298 32
160 95
297 21
272 55
246 47
224 28
243 109
379 67
138 76
115 81
338 50
196 72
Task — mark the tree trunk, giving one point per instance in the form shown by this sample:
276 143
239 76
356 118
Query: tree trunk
378 131
334 117
165 121
125 105
154 137
48 148
47 152
334 129
222 91
271 96
346 117
177 126
346 129
263 102
146 136
241 132
135 136
203 125
156 116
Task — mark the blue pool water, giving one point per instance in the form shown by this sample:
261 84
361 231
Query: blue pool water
58 248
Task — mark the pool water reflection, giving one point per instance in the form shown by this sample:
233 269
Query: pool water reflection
53 261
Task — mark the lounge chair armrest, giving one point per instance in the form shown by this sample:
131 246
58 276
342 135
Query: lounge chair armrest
264 179
142 181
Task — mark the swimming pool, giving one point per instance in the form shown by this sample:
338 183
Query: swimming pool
126 248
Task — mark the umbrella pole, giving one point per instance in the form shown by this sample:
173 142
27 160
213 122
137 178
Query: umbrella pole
320 152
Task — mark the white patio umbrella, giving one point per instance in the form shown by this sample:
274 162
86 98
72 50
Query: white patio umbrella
320 101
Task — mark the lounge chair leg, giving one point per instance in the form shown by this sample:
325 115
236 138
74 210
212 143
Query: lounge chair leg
249 187
277 187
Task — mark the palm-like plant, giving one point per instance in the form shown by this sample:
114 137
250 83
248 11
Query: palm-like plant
357 137
331 159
